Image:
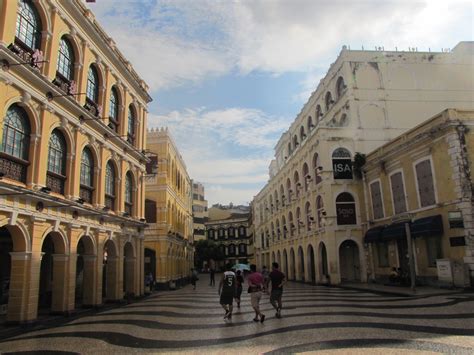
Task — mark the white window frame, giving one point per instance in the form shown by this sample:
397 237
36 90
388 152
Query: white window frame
430 158
404 189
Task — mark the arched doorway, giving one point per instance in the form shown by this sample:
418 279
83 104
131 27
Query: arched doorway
110 271
278 260
52 274
285 263
311 265
292 265
150 262
128 271
12 240
301 264
323 264
85 272
349 261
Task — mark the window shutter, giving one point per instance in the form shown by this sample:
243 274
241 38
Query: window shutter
376 200
398 193
424 177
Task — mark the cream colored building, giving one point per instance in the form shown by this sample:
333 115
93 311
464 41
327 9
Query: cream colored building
169 252
423 178
309 215
200 212
73 117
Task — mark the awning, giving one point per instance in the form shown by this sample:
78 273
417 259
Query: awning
373 234
427 227
394 231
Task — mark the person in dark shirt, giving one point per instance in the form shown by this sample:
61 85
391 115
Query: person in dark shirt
212 281
238 287
227 285
278 279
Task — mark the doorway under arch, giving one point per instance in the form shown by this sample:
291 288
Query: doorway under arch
349 261
311 265
323 263
301 264
85 272
292 265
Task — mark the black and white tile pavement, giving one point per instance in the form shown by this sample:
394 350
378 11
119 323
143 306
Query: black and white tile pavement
314 319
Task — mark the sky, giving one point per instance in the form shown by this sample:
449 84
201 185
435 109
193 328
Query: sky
228 77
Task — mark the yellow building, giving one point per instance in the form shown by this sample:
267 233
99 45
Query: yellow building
200 213
73 118
423 178
229 227
169 253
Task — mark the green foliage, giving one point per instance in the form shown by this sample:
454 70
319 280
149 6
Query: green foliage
207 250
357 164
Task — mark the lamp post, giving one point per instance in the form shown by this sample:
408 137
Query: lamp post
411 258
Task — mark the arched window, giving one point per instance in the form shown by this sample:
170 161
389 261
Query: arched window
232 249
309 217
291 222
65 66
57 152
319 113
282 195
310 123
230 232
328 101
289 149
298 219
278 230
110 186
342 164
242 249
114 110
87 175
28 26
317 168
295 141
320 210
285 228
302 134
340 87
306 176
92 90
345 209
15 144
344 120
131 126
129 193
298 186
289 190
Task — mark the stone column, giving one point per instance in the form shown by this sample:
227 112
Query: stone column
113 284
61 266
19 302
90 281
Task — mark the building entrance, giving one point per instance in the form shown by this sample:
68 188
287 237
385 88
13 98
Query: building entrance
349 261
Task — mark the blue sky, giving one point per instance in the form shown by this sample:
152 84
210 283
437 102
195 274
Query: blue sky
229 77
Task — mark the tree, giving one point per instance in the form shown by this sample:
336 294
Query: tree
206 250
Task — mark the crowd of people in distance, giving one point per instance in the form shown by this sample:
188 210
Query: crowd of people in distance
231 286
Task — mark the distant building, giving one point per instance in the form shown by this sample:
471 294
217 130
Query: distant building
169 251
423 178
200 213
309 216
229 227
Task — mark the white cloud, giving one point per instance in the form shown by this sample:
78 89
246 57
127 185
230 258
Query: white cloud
177 42
227 150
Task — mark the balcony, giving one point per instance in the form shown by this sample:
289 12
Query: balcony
92 107
85 192
110 202
13 168
55 182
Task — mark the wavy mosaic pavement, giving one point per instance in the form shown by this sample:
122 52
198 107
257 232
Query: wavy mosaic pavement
314 319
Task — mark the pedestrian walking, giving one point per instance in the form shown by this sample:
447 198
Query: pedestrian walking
266 280
194 277
255 281
227 286
239 281
212 272
278 279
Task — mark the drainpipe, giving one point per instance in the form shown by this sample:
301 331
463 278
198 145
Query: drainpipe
366 202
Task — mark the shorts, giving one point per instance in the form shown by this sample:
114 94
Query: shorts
227 298
255 298
238 292
276 295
